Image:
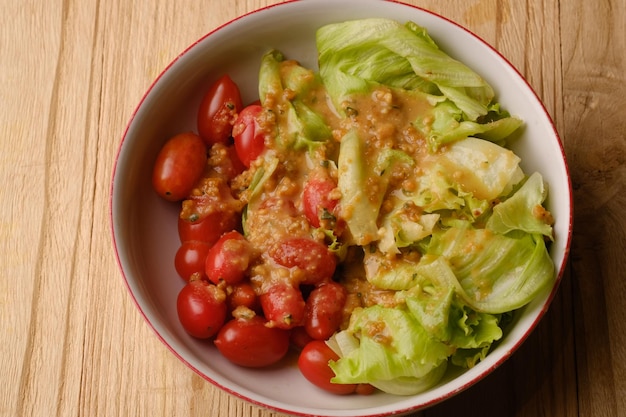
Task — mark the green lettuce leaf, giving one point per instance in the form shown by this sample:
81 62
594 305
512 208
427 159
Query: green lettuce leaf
497 273
446 124
360 170
389 344
465 176
355 54
436 300
482 168
523 210
298 125
400 229
408 385
262 175
359 210
389 273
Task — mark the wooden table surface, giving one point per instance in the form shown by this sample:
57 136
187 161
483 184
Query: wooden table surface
73 343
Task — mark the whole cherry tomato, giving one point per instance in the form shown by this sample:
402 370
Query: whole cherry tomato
218 111
283 305
209 228
190 259
251 343
312 257
324 310
313 363
179 164
201 308
249 137
317 200
228 259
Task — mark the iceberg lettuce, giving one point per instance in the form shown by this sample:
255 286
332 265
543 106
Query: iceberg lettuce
523 210
496 273
283 85
391 346
354 55
360 209
363 179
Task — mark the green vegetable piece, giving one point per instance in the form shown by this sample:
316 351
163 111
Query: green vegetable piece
392 346
523 211
360 207
283 87
499 273
355 54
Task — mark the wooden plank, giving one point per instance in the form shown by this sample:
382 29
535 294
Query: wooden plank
74 343
595 96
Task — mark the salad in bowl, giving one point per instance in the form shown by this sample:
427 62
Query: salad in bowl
371 205
354 210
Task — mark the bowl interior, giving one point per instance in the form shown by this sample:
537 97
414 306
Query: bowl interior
144 226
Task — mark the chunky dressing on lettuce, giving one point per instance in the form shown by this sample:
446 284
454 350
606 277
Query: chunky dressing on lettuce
440 233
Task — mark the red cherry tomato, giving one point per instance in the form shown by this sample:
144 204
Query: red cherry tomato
179 164
299 338
242 294
317 201
250 343
312 257
249 137
283 306
324 310
313 363
233 166
228 259
365 389
209 228
218 111
190 259
201 308
224 161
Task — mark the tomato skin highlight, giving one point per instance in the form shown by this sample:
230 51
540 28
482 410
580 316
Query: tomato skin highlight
250 343
218 111
201 309
312 257
283 305
313 363
248 136
316 198
179 164
228 259
190 259
324 310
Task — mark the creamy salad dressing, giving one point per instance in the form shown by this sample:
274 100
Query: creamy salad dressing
384 120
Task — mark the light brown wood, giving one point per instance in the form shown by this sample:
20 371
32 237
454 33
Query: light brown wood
73 344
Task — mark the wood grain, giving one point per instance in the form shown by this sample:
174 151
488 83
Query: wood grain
593 65
73 344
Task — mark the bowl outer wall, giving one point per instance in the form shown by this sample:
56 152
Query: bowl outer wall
144 227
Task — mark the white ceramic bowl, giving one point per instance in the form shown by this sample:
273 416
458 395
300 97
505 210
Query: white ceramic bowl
144 226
